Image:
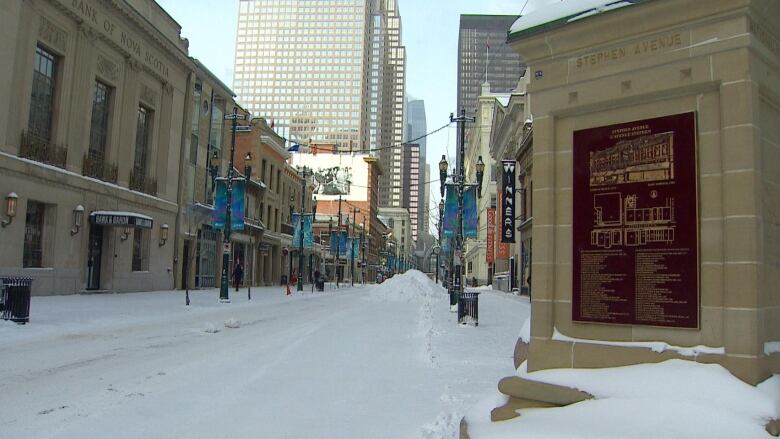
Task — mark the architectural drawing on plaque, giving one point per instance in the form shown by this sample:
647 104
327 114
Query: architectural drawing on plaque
642 159
620 221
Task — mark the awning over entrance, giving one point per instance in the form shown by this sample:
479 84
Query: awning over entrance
120 219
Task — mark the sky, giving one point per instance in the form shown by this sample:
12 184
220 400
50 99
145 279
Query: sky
429 32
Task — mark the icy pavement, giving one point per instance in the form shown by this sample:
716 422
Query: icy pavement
385 361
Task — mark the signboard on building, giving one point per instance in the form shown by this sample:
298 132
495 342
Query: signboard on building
508 201
491 243
635 249
337 175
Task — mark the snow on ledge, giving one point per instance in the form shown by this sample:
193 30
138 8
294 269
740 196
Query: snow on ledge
771 347
570 10
655 346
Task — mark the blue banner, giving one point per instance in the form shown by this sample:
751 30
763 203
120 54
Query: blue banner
308 234
343 243
237 204
356 248
334 243
470 216
450 225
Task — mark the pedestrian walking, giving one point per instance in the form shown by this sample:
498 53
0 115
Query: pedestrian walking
238 273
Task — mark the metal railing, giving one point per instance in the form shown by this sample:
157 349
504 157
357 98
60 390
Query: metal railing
140 182
41 150
99 168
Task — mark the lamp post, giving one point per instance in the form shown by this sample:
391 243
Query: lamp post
290 262
248 176
355 210
311 254
330 244
460 180
441 217
223 285
442 173
304 173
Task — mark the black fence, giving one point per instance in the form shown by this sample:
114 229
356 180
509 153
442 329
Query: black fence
468 309
16 299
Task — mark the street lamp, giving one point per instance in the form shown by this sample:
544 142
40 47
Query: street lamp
441 218
214 168
10 208
248 177
78 216
459 179
248 165
224 283
304 173
442 173
290 262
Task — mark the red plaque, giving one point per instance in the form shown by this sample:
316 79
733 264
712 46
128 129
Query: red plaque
635 222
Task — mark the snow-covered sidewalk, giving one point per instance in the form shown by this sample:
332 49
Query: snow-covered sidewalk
385 361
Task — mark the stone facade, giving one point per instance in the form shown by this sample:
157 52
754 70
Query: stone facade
61 57
719 59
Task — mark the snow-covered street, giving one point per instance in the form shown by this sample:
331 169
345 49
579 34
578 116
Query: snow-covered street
363 362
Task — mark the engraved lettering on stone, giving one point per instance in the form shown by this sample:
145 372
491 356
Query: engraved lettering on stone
52 34
107 68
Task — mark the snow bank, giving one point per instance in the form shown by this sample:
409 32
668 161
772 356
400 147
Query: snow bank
411 286
673 399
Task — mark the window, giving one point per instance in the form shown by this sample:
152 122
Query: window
33 235
99 129
140 250
42 99
195 124
217 126
142 129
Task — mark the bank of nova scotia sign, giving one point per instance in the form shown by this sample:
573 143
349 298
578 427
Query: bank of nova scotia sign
508 202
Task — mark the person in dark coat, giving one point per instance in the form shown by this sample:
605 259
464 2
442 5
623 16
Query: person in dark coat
238 273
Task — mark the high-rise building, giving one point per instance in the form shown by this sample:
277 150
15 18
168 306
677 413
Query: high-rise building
484 56
416 129
329 72
410 180
391 111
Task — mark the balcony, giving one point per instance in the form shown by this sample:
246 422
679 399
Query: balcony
34 148
99 168
140 182
200 184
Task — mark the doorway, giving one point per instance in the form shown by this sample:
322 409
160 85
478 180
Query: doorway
94 256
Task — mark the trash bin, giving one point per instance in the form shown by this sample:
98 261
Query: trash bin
16 299
468 309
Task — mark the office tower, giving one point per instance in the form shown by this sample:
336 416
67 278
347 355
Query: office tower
484 56
325 72
416 129
410 180
391 112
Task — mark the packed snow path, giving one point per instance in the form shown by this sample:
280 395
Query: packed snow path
369 362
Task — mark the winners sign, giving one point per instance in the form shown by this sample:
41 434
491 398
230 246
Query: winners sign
508 202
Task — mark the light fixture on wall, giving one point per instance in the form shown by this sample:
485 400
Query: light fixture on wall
78 216
10 208
125 234
163 234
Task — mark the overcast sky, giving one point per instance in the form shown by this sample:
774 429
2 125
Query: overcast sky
430 34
